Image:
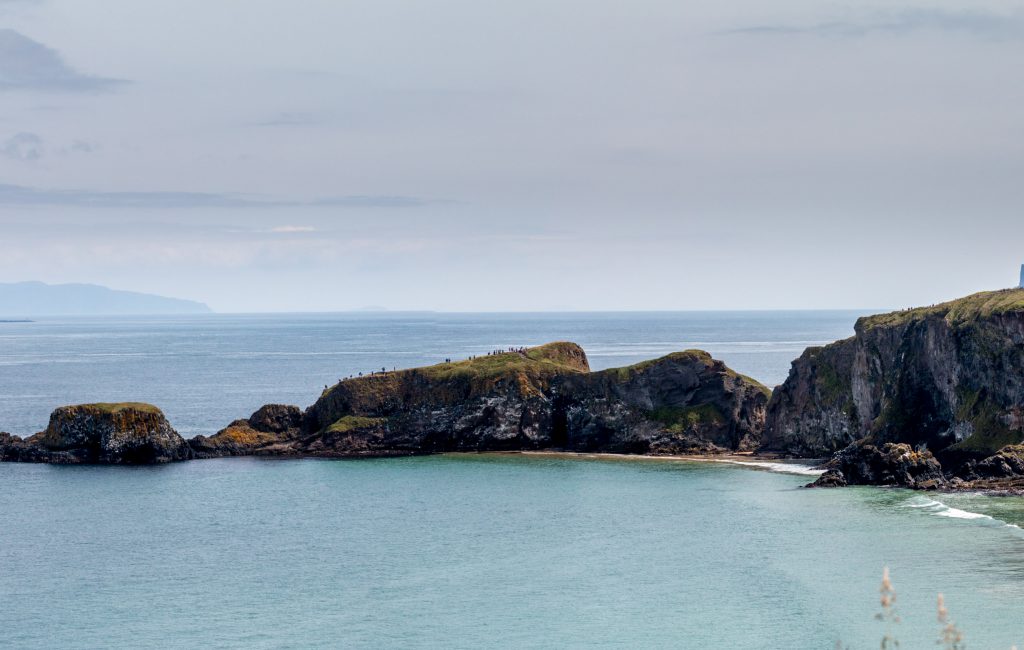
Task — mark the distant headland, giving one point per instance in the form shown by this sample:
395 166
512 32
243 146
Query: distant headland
21 300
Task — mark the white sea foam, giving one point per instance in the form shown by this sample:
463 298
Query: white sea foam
782 468
940 509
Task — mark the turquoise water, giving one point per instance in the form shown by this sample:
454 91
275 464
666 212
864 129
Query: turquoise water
456 551
486 551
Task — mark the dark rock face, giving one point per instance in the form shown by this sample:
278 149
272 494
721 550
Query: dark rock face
536 398
1007 463
267 431
949 377
497 402
888 464
276 418
683 403
15 450
129 433
546 398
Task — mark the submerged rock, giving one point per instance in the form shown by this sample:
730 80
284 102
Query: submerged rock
125 433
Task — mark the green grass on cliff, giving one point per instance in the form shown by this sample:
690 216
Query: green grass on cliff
108 408
956 312
625 372
699 356
552 356
351 423
537 364
990 432
681 420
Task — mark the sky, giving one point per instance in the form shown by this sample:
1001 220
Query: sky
458 155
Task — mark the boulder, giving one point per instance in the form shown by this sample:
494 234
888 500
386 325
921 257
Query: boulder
893 464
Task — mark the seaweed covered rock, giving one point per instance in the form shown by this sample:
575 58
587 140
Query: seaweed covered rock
949 377
123 433
888 464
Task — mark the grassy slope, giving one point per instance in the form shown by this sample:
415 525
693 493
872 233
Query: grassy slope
109 408
956 312
625 372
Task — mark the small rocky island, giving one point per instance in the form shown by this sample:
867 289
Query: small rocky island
929 398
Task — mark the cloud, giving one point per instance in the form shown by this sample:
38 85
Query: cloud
26 64
982 24
26 147
292 229
21 195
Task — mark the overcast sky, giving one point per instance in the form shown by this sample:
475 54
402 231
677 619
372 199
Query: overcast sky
263 155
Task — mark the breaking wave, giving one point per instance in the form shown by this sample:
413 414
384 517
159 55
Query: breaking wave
939 509
782 468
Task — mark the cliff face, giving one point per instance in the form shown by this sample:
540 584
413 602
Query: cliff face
540 399
128 433
685 402
495 402
948 377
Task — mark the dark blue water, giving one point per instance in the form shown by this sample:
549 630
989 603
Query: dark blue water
462 551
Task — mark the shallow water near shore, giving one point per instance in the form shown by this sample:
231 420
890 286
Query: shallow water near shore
458 551
474 551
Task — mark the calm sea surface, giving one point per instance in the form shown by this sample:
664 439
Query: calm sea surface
460 551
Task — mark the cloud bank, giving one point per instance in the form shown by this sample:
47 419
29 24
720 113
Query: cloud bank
26 64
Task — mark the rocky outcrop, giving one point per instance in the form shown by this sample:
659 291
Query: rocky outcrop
888 464
682 403
127 433
494 402
540 398
948 378
537 398
267 431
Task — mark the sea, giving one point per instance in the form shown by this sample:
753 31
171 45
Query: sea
460 550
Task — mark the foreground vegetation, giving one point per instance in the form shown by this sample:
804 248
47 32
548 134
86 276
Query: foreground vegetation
950 637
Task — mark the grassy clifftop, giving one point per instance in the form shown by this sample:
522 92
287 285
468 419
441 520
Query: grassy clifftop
527 372
109 408
692 356
956 312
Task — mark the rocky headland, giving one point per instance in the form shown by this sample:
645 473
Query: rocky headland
929 398
945 384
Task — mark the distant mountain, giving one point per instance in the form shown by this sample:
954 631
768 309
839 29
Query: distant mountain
40 299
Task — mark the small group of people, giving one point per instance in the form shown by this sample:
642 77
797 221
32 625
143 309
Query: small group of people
521 350
384 371
494 353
